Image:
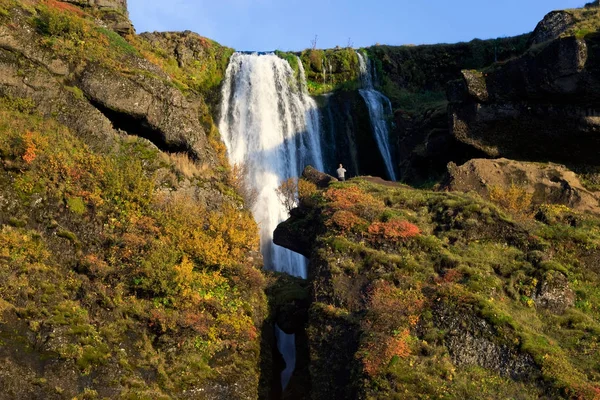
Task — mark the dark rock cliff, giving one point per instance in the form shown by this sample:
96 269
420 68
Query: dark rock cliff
542 106
539 107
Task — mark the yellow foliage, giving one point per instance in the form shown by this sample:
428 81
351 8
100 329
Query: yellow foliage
306 189
184 277
514 198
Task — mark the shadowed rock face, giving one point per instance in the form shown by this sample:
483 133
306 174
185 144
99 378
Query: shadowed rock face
547 184
543 106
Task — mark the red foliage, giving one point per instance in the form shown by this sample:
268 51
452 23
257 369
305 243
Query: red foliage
394 230
30 148
345 221
197 321
391 305
450 276
354 200
204 42
62 6
380 350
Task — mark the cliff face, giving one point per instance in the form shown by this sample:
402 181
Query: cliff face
128 264
415 79
416 293
113 13
541 106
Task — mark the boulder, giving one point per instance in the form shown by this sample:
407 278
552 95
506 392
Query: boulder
551 27
113 13
547 183
321 179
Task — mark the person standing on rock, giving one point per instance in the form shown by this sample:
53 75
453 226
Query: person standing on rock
341 171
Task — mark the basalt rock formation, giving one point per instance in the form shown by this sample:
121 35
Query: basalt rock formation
541 183
541 106
113 13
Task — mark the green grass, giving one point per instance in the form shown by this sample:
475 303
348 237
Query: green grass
485 263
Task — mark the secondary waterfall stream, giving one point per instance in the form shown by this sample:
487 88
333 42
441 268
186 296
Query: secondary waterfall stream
380 108
271 126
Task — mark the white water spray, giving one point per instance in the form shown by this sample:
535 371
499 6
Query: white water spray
270 125
380 108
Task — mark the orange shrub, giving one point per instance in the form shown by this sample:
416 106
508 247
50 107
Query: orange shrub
352 198
380 350
30 148
305 189
345 221
394 230
62 6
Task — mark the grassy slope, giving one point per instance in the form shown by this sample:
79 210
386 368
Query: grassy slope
395 255
128 266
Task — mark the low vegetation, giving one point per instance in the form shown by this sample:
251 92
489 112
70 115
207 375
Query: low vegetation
124 267
428 279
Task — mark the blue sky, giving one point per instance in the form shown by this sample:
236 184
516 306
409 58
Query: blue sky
292 24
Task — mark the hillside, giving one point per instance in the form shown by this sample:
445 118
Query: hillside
419 294
129 267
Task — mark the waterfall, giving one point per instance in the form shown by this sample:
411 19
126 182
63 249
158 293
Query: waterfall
270 125
380 109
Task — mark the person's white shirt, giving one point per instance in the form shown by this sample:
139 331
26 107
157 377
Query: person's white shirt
341 171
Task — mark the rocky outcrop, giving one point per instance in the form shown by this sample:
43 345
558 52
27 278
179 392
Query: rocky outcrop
453 287
551 27
553 293
112 12
321 179
471 341
545 183
542 106
144 103
286 233
146 106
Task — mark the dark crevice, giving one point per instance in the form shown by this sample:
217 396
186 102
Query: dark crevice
139 126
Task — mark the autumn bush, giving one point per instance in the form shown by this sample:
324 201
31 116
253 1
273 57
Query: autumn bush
345 222
393 230
514 198
238 179
351 198
392 313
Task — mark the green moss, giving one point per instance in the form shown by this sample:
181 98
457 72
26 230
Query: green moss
469 256
76 205
20 104
78 93
117 43
144 263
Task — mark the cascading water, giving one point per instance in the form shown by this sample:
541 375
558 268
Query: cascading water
380 108
271 126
